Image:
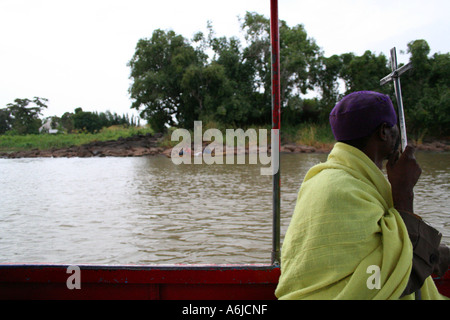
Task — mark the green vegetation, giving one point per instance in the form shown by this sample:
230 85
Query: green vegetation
226 83
18 119
176 81
309 134
50 141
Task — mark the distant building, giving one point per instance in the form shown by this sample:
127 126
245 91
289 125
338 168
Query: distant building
47 126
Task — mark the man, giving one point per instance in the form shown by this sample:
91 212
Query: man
354 234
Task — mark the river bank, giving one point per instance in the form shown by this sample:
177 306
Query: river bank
148 145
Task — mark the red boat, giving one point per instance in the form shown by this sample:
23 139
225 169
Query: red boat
164 282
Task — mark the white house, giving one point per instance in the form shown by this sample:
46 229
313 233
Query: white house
47 126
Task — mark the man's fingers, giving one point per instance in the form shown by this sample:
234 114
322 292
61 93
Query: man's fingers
409 151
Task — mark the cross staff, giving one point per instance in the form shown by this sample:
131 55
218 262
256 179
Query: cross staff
395 77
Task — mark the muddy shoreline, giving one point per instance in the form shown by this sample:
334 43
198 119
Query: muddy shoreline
148 145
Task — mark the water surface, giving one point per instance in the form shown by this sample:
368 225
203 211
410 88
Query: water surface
147 210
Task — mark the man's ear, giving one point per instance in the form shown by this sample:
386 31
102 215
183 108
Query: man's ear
383 131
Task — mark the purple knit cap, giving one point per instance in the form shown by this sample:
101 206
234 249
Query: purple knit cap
359 113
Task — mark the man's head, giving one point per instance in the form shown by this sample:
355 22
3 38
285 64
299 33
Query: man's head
366 119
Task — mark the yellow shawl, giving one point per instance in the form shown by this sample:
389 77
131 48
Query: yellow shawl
345 239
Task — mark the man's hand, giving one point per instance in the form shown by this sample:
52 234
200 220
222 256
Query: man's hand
403 173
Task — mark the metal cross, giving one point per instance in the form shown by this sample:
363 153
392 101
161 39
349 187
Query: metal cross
395 77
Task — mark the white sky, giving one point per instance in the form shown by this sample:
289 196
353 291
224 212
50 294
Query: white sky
75 53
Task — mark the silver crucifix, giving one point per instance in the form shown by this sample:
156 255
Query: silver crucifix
395 77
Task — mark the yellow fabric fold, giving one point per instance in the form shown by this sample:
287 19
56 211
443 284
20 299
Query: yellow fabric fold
345 239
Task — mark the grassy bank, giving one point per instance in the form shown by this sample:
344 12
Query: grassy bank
318 136
305 134
314 135
56 141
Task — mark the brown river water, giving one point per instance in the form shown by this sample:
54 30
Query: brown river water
147 210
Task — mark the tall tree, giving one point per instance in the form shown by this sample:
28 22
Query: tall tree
427 91
355 73
5 120
299 55
24 119
86 121
235 93
329 76
157 70
364 72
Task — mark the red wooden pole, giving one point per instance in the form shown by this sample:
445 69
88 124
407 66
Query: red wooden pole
276 124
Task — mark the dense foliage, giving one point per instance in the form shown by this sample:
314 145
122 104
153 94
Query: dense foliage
176 81
227 82
20 119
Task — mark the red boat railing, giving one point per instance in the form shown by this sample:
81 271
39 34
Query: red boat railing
158 282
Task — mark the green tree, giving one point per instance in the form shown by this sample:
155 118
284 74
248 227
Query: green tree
356 73
299 57
66 122
24 119
5 120
174 80
86 121
426 91
329 76
157 70
364 72
209 87
233 89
